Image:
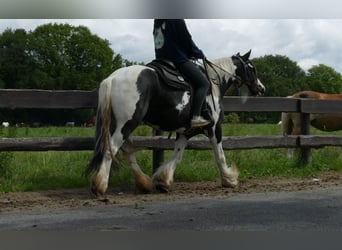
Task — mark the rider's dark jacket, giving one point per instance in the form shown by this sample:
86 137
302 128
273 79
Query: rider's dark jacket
174 42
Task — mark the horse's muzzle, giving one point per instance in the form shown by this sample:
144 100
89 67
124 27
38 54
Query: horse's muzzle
260 89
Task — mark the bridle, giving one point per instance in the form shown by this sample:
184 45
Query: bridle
237 80
250 75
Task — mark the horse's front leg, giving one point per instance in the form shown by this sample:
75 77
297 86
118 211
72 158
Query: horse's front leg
163 177
229 175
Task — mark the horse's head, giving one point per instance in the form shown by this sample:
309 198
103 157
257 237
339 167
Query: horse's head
245 74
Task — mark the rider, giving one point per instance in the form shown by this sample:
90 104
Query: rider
173 42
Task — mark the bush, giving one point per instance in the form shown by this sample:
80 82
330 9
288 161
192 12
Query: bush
232 118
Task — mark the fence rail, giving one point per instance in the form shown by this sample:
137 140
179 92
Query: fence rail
165 143
46 99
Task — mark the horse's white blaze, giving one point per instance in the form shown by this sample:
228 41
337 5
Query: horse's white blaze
261 85
185 101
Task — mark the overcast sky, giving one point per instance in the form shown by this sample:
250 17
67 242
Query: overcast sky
306 41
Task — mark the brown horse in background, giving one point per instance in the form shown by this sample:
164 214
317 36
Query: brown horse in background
291 122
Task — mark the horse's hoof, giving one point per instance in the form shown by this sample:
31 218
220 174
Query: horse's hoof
143 190
229 178
230 185
162 188
143 183
95 192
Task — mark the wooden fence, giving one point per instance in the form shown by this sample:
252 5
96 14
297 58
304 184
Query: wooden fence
45 99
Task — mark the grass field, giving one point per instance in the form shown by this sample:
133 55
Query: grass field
27 171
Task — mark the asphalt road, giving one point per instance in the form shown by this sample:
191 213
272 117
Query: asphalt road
319 210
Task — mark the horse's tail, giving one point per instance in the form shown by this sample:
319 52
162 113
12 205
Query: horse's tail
104 116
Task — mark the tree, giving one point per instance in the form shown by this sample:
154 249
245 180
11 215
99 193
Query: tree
53 56
324 79
118 62
16 64
69 57
281 76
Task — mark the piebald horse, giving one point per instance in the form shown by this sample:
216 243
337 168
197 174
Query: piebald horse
291 122
133 95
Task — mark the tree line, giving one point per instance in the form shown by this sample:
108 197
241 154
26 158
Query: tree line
54 57
283 77
61 56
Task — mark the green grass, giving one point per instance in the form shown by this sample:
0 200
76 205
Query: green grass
26 171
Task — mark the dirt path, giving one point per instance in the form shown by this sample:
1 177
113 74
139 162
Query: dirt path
49 200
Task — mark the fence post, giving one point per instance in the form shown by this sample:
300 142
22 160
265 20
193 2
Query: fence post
305 130
157 154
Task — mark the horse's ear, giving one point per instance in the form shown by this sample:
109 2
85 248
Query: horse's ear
245 57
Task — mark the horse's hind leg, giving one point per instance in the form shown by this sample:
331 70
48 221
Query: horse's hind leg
123 102
142 181
100 179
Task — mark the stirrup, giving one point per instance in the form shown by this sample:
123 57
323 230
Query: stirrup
199 122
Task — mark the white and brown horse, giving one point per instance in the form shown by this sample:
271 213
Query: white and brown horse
134 95
291 121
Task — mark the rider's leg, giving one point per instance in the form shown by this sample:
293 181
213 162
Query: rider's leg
201 85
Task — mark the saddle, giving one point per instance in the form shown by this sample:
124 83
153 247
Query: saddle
169 75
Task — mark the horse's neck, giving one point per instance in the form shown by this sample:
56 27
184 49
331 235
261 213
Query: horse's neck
223 69
225 66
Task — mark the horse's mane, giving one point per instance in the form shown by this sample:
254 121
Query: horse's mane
225 63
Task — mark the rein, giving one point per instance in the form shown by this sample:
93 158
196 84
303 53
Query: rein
238 80
238 83
206 62
212 65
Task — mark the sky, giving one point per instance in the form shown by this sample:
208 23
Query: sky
306 41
